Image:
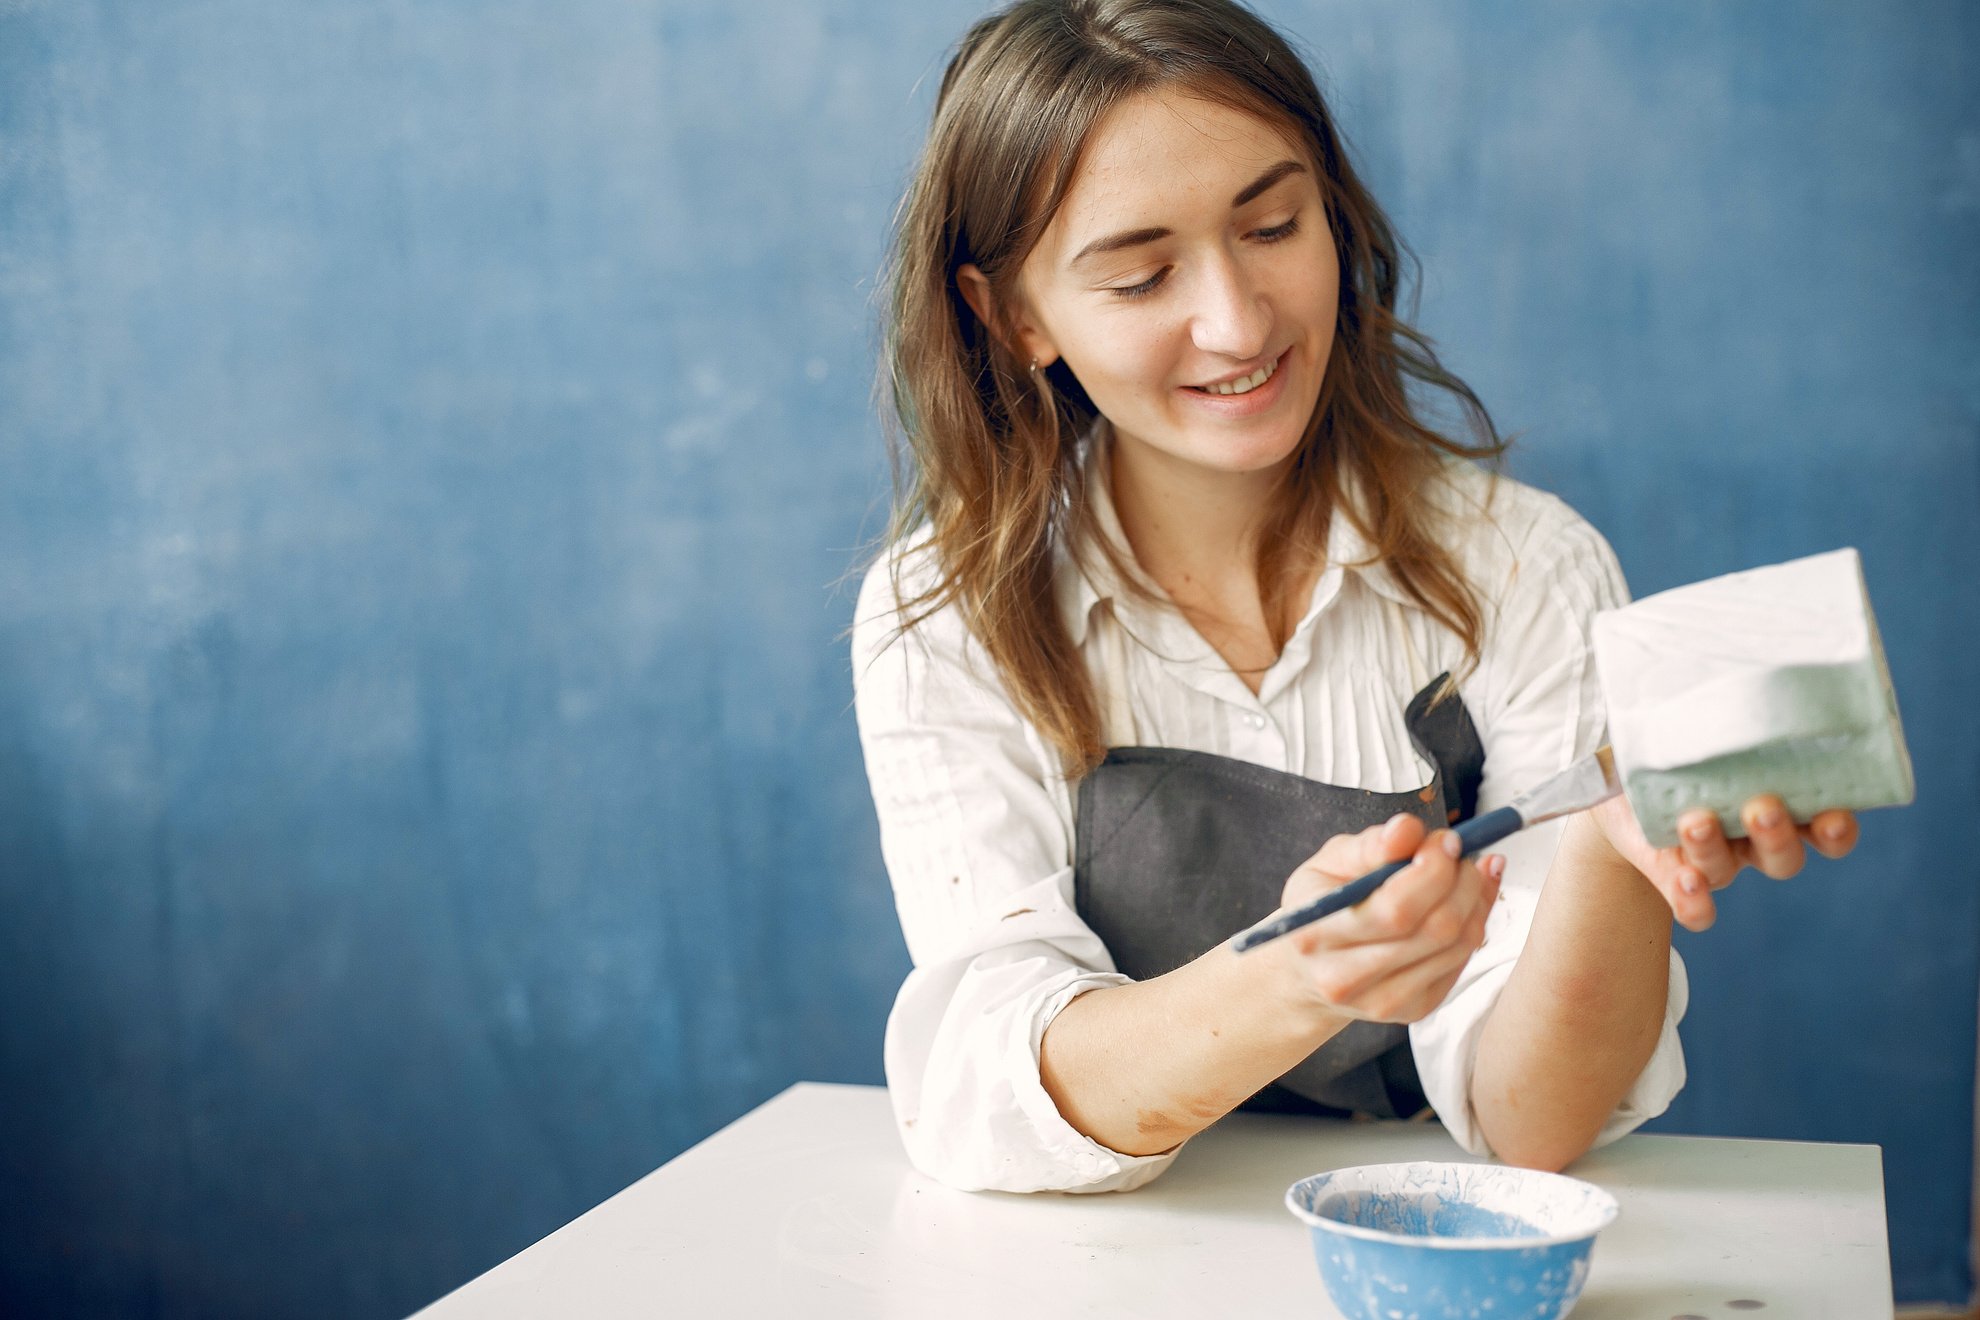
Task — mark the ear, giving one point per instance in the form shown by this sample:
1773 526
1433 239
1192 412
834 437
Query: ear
1026 338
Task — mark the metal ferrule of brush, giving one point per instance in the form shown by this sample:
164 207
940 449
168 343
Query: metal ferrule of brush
1577 788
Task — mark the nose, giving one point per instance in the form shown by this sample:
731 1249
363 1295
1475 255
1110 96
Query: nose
1231 316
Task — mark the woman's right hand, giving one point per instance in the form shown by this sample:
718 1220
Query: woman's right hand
1395 955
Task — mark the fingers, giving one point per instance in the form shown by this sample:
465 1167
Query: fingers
1348 856
1832 833
1393 957
1773 841
1397 837
1705 860
1424 907
1686 888
1420 989
1707 853
1428 900
1684 885
1387 982
1372 983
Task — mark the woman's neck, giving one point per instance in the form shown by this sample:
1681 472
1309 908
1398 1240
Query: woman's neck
1195 532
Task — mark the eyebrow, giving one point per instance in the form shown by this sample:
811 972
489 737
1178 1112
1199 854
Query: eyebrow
1136 237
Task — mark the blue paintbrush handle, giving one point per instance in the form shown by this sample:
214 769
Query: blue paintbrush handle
1486 830
1478 832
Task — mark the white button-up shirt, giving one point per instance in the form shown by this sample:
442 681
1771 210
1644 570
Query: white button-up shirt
976 818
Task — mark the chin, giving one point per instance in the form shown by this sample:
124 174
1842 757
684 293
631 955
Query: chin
1230 448
1262 454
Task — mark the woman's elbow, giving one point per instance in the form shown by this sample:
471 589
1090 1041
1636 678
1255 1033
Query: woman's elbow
1546 1152
1543 1160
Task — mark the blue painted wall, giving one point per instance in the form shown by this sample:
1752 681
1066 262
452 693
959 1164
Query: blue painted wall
430 438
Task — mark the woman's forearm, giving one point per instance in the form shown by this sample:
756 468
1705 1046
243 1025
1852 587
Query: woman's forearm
1582 1011
1142 1067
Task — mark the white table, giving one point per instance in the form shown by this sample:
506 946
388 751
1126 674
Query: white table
807 1207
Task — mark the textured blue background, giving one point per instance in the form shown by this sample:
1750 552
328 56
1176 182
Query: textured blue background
429 440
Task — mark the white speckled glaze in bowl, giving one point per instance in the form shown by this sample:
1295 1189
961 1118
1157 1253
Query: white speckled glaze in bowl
1440 1241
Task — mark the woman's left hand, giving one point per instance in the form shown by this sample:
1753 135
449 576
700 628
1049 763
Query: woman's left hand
1706 860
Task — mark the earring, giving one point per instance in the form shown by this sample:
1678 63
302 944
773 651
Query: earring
1034 366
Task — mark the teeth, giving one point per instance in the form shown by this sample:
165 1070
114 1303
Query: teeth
1244 384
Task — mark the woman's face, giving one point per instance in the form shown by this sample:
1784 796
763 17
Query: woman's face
1191 255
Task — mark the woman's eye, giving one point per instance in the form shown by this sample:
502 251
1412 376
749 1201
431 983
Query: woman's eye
1276 234
1144 288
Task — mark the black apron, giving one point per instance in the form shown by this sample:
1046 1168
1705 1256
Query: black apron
1176 851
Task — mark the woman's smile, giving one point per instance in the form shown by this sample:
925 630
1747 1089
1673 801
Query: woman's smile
1245 395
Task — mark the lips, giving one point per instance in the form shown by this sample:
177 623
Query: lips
1233 386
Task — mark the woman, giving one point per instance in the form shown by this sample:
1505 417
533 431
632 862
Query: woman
1189 612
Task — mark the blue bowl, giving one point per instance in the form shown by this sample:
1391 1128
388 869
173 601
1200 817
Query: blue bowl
1428 1241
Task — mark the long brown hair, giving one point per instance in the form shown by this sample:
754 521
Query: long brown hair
987 451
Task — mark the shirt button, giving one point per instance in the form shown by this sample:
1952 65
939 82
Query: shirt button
1255 720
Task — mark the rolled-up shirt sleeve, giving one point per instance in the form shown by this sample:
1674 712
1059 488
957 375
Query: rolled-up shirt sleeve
976 830
1540 705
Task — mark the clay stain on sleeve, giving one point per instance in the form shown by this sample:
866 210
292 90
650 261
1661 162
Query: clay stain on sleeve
1019 913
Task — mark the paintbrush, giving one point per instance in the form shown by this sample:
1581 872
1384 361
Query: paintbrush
1588 781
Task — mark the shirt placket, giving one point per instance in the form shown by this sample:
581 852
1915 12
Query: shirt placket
1257 736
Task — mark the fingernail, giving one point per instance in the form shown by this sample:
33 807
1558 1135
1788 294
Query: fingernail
1767 818
1688 881
1833 832
1698 831
1453 846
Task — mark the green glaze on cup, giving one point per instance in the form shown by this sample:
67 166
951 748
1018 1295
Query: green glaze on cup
1767 681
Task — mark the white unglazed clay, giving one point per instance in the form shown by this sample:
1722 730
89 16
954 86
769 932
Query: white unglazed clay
1767 681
